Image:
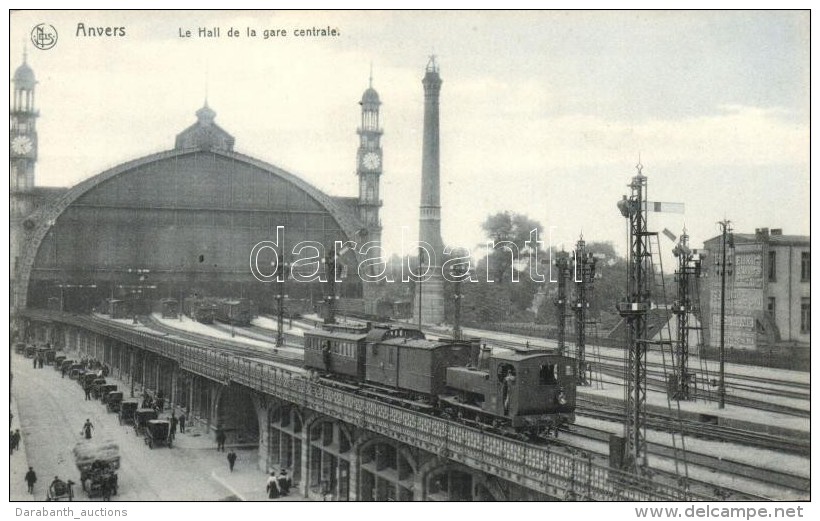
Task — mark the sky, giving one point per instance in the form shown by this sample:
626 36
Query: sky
542 113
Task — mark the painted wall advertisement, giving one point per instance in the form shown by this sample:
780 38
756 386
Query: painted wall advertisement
744 297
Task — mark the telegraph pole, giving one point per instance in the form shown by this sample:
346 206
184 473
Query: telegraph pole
726 228
418 283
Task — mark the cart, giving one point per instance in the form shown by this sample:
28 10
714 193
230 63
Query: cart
158 432
20 348
128 410
60 490
141 419
58 362
31 352
98 463
96 385
113 400
104 390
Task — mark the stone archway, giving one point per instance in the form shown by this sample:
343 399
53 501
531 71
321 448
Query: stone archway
455 482
285 431
386 471
330 458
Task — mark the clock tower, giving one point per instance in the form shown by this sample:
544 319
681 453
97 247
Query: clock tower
369 165
22 156
22 131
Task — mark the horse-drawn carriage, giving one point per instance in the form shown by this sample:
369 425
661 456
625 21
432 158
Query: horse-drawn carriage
158 432
141 419
46 354
128 411
104 390
20 348
98 464
96 386
58 362
60 490
112 401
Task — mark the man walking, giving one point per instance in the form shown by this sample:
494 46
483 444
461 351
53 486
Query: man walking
231 459
16 439
173 421
220 439
30 479
182 422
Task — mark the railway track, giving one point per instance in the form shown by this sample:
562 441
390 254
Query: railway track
224 345
698 429
769 476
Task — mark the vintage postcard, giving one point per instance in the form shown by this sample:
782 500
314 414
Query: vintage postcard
281 256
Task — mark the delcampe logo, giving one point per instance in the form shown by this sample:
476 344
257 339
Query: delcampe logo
44 36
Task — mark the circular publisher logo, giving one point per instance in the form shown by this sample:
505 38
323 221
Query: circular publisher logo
44 36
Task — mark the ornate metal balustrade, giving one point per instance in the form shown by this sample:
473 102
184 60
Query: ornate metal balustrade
536 467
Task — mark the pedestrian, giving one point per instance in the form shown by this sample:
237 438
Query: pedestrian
40 361
220 439
16 439
30 479
231 459
34 361
272 487
284 482
63 370
87 391
11 442
182 422
173 421
87 428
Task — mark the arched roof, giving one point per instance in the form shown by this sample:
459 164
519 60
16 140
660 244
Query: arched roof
38 224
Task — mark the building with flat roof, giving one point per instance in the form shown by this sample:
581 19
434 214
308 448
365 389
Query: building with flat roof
768 297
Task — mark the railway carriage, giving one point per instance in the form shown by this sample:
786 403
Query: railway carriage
238 312
200 309
339 352
405 359
167 308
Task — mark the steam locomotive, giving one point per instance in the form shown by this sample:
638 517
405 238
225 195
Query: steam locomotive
526 393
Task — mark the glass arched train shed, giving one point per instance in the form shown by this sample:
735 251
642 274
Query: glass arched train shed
178 223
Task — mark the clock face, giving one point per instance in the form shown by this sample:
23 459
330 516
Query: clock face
371 161
21 145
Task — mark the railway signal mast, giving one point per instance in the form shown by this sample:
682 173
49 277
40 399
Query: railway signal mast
333 268
584 276
634 310
282 273
562 264
689 269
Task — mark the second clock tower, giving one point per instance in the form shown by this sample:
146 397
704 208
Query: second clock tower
369 165
22 131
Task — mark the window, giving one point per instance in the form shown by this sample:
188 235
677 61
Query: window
805 266
773 266
547 374
805 315
772 307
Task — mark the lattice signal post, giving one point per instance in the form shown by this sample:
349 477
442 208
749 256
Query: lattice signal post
634 310
562 265
584 277
689 269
